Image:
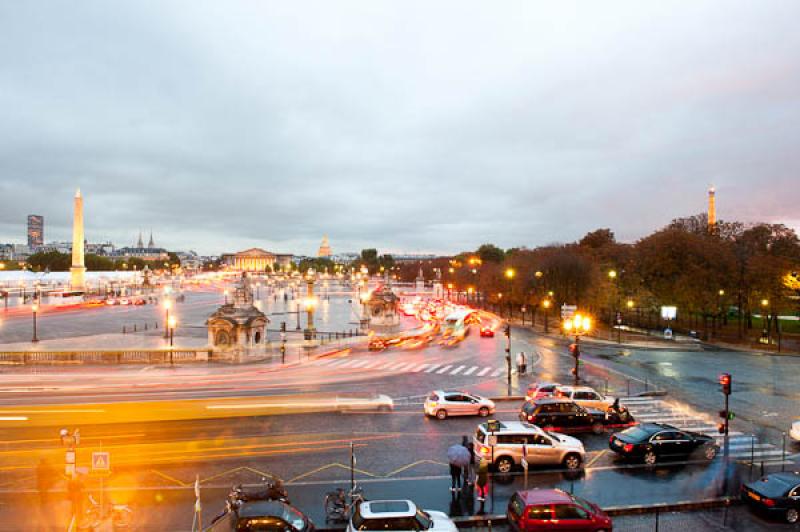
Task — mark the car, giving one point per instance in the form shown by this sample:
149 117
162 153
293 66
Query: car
275 516
585 396
442 404
537 390
777 494
398 515
562 415
124 301
501 444
363 401
377 344
651 442
554 509
112 302
487 332
139 301
794 432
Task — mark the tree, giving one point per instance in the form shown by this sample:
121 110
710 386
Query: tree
598 239
490 253
53 261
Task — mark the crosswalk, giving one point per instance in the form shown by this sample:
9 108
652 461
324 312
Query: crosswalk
743 447
461 370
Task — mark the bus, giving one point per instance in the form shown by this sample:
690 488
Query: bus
65 298
455 324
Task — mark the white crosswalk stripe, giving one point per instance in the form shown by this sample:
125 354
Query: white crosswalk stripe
497 372
457 370
445 368
484 371
470 371
360 363
420 368
433 367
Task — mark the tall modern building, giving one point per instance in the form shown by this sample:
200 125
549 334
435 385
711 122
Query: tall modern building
35 230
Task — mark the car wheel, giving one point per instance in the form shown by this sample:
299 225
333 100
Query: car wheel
597 427
572 462
504 465
710 452
650 457
792 515
441 414
483 411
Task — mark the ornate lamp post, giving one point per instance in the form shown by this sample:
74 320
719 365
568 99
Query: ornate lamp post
612 274
171 323
546 304
167 306
510 273
35 309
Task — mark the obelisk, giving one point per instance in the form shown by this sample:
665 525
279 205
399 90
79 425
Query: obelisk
712 210
78 270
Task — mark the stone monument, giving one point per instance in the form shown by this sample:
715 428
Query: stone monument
78 270
238 327
382 307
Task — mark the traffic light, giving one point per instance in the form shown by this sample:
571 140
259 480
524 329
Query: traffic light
574 350
725 382
721 428
283 326
507 330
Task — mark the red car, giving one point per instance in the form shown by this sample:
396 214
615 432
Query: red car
487 332
548 509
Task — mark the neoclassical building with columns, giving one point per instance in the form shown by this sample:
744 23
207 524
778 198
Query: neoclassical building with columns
255 260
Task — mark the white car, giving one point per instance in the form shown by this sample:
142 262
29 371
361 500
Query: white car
442 404
794 433
398 515
585 396
363 401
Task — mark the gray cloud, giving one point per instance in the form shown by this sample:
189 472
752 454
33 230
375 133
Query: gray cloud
406 126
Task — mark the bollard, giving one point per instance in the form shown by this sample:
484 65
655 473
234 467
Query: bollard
145 326
657 512
752 452
489 525
134 327
629 387
123 329
645 384
762 468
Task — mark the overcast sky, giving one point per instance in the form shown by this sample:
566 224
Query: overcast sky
413 127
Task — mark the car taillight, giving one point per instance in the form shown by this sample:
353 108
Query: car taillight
485 450
530 418
611 439
768 502
628 447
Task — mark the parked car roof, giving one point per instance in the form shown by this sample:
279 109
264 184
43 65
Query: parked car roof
387 508
545 496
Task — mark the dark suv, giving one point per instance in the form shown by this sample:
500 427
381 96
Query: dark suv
562 415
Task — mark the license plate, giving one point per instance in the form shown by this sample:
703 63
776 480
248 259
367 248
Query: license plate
753 496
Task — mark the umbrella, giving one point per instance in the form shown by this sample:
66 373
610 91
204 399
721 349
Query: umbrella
458 455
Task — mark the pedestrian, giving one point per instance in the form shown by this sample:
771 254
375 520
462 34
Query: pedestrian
45 478
521 365
469 469
482 481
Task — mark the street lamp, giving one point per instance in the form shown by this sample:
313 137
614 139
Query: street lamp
546 304
612 274
510 273
171 322
225 293
35 309
577 325
167 306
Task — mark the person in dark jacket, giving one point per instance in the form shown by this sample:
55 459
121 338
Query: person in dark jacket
469 470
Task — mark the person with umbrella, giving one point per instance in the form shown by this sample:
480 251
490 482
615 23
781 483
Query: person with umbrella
458 457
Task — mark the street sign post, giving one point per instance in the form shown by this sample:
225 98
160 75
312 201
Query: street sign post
101 461
568 311
524 463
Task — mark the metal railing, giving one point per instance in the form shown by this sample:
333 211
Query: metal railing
107 356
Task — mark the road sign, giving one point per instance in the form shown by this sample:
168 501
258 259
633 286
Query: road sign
101 461
669 312
568 311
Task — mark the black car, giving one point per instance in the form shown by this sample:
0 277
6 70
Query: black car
776 494
651 442
562 415
261 515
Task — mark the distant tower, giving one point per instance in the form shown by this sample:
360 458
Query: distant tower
78 270
150 244
712 210
35 230
324 248
139 243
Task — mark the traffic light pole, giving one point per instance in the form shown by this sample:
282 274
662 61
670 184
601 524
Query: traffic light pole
508 356
727 422
577 358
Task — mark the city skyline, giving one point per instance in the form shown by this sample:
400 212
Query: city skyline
268 137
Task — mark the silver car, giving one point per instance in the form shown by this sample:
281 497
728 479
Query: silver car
442 404
503 444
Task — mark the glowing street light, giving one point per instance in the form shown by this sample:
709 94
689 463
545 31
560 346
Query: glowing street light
546 304
612 274
630 303
577 325
167 306
35 309
171 323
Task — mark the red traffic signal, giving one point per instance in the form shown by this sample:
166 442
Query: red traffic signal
723 414
574 350
721 428
725 382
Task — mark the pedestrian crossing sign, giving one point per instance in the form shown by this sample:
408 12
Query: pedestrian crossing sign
101 461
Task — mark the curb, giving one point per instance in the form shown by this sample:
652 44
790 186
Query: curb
507 398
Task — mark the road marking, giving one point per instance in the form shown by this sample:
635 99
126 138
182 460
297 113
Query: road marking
406 367
359 364
433 367
484 371
497 372
397 366
348 363
371 365
470 371
445 368
420 368
595 458
385 366
457 370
